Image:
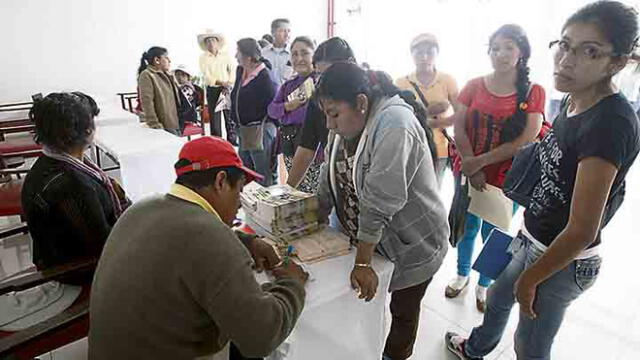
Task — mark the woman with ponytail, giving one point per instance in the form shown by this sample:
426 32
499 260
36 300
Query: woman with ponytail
253 92
380 178
584 160
500 113
159 92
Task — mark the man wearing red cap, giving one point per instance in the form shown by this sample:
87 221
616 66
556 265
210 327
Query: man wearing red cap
175 282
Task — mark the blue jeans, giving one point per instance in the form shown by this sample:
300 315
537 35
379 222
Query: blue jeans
533 338
473 224
261 160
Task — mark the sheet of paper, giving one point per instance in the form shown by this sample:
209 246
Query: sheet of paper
491 205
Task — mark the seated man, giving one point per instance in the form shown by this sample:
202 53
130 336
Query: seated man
175 282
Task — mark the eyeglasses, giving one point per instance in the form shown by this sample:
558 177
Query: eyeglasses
583 52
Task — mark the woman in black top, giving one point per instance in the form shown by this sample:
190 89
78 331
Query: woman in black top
314 131
585 158
69 203
252 93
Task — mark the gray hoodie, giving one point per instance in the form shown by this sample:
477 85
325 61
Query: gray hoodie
400 209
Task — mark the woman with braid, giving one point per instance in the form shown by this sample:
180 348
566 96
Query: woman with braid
500 112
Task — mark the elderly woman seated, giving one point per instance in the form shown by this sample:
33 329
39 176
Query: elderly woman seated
70 204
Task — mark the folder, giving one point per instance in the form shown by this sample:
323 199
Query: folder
495 256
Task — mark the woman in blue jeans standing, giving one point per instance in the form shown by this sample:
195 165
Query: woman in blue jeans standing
585 158
500 112
251 95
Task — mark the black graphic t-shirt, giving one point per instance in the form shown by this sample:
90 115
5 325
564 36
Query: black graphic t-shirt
609 130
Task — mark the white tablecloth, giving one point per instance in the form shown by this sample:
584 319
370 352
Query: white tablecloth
146 157
335 324
113 114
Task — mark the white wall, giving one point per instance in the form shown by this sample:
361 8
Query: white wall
95 45
382 30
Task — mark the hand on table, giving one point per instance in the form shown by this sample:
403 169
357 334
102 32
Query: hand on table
365 281
291 270
264 256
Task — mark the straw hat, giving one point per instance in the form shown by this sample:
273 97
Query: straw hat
209 34
424 38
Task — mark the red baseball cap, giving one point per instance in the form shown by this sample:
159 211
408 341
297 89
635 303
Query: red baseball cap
210 152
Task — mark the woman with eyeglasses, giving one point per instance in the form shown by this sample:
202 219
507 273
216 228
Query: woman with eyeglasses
500 113
437 91
585 158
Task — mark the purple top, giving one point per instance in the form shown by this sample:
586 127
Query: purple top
276 108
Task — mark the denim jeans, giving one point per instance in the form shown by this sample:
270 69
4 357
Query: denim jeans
261 160
533 338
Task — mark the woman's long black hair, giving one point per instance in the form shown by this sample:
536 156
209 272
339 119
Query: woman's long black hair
345 81
514 126
149 55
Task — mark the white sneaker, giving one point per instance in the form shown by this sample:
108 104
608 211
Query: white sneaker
481 298
456 285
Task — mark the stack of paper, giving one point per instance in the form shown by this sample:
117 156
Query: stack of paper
280 211
286 216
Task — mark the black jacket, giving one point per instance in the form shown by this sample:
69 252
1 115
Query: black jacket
249 103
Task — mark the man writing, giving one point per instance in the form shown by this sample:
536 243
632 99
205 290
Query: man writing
175 282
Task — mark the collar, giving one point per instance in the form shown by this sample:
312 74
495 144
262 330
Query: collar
209 54
186 194
278 50
414 77
247 77
152 69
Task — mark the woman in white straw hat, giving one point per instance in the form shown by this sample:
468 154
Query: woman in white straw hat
218 73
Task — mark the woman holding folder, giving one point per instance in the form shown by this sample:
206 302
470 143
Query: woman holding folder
499 113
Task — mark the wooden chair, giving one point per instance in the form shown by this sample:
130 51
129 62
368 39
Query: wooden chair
65 328
126 99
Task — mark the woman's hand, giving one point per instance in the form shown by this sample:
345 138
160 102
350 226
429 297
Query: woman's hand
294 104
472 165
479 181
365 281
525 291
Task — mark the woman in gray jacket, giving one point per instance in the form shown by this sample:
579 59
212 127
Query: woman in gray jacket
381 179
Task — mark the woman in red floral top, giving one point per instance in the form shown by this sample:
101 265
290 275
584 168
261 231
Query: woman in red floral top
500 113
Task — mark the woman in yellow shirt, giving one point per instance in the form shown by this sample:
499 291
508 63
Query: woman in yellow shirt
438 92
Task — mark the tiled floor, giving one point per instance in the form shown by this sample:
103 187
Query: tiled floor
602 324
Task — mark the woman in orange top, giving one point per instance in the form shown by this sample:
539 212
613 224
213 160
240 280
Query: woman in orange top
436 90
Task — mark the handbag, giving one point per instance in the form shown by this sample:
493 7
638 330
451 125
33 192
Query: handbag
458 211
524 175
251 136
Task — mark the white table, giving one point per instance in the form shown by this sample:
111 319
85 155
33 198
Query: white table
146 157
335 324
112 114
